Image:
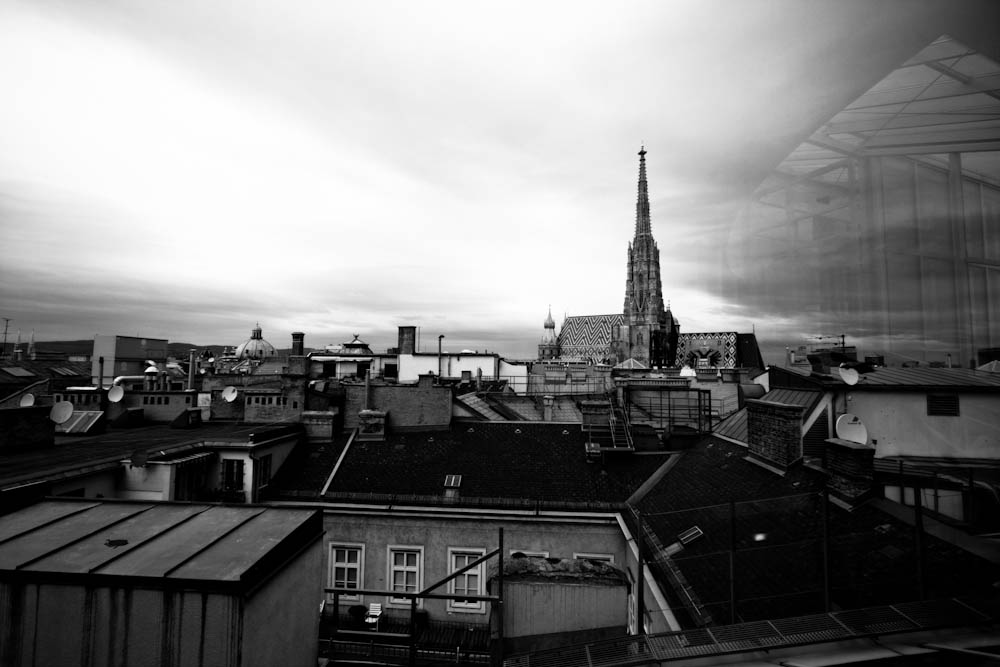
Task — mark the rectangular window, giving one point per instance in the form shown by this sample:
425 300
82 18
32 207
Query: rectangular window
942 405
469 582
530 554
405 571
604 558
264 471
232 475
347 568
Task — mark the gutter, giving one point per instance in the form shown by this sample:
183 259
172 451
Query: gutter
668 615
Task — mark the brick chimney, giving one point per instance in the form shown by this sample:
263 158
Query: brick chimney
774 432
298 344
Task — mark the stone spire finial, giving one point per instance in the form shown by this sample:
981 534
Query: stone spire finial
642 225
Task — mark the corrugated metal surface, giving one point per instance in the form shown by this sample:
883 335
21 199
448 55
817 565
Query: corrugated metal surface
165 541
804 398
734 427
930 377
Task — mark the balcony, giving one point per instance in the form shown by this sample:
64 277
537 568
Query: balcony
345 639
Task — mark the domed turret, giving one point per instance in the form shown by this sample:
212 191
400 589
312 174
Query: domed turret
256 347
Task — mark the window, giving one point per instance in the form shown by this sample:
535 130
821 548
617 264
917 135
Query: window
347 568
232 475
604 558
942 405
263 471
405 571
469 582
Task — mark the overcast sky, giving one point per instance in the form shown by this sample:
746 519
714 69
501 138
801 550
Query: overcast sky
185 169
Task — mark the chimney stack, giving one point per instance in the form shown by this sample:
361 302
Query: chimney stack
298 344
407 343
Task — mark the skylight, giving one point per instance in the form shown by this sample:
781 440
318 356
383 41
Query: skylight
19 372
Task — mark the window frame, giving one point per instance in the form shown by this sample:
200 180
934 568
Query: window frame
529 554
479 606
390 569
332 568
240 466
607 558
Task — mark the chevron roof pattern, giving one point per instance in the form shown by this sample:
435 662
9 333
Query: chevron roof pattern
588 337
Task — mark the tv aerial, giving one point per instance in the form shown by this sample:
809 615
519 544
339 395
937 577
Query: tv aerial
116 394
61 412
229 394
27 401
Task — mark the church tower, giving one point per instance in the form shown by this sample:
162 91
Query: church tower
549 347
648 334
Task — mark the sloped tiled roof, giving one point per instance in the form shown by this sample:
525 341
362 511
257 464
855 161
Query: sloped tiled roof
479 406
778 522
511 460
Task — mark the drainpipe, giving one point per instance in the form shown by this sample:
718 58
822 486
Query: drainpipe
439 357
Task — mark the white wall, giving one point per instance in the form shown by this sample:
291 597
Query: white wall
516 376
411 366
898 424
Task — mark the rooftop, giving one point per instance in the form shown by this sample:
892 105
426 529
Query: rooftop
155 544
916 378
504 460
73 453
771 527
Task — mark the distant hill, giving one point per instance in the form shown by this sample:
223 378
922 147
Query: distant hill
86 347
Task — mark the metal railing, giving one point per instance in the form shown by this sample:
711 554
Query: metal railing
756 635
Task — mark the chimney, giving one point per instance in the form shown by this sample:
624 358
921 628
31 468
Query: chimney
547 402
298 344
407 340
191 370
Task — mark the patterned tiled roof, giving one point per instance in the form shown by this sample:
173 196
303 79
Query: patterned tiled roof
588 337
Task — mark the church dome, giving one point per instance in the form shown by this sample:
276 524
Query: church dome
256 347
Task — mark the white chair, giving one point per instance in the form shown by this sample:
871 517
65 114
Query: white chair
374 614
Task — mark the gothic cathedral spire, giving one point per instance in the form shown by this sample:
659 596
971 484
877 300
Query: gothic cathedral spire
648 328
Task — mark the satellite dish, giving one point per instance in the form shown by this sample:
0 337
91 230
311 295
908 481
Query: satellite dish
61 412
151 370
849 375
116 393
27 401
849 427
229 394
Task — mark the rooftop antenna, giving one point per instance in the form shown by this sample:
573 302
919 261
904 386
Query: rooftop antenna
3 351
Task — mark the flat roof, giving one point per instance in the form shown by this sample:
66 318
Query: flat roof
159 545
71 454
